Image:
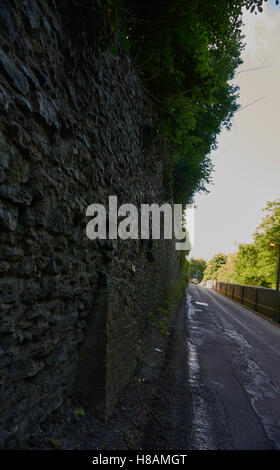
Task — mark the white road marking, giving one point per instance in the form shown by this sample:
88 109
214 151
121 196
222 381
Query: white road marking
201 303
202 438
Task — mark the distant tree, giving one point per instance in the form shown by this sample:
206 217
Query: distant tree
197 268
256 263
246 269
268 231
226 272
213 266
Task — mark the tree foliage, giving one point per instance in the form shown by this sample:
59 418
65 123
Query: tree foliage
189 51
256 6
214 265
226 271
197 268
186 52
256 263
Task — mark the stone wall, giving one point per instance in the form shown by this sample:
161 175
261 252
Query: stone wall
74 129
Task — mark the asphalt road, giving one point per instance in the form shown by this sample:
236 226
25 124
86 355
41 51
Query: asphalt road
233 374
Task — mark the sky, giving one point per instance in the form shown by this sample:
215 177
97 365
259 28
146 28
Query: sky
247 163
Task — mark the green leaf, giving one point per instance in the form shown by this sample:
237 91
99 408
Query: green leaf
79 412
